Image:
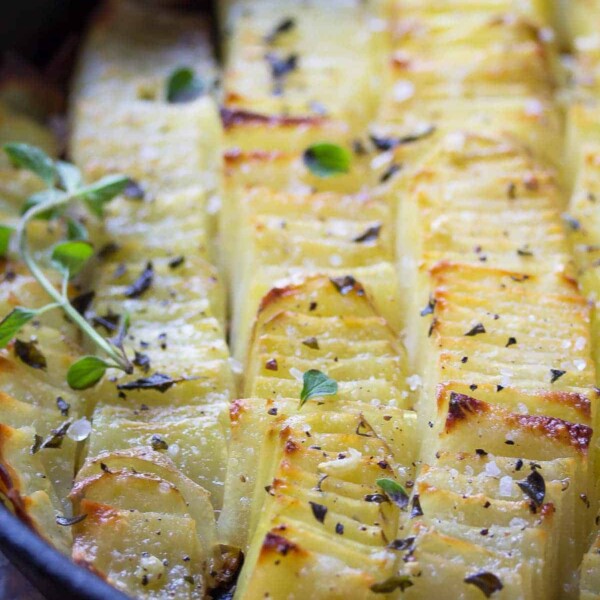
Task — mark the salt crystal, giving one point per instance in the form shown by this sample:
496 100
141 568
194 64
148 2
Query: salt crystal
505 486
79 430
414 382
403 90
335 260
491 469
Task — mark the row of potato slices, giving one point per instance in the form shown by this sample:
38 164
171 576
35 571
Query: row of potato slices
35 400
157 457
299 223
301 497
583 155
482 49
484 347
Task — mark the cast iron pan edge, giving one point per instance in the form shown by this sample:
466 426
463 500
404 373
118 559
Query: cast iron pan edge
55 575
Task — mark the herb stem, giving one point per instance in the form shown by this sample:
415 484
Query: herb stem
60 299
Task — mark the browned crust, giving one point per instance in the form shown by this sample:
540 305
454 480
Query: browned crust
236 411
275 544
577 434
235 156
444 266
13 495
232 117
461 407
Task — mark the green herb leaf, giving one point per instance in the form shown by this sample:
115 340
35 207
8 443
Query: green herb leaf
316 384
5 234
394 490
183 85
33 159
14 321
103 191
76 230
42 198
70 257
69 176
86 372
325 159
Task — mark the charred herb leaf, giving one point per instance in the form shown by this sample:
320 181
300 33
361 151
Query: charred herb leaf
281 67
142 361
487 582
315 385
54 440
158 443
286 24
428 310
389 143
347 284
394 490
395 582
402 544
416 510
319 511
476 330
534 487
30 354
142 283
134 190
156 381
311 342
326 160
68 521
63 406
370 235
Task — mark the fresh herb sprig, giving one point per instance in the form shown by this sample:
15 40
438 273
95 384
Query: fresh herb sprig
65 187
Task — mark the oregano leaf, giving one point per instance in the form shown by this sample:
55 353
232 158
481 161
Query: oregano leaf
86 372
183 85
102 191
33 159
14 321
5 234
69 176
316 384
326 160
71 257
